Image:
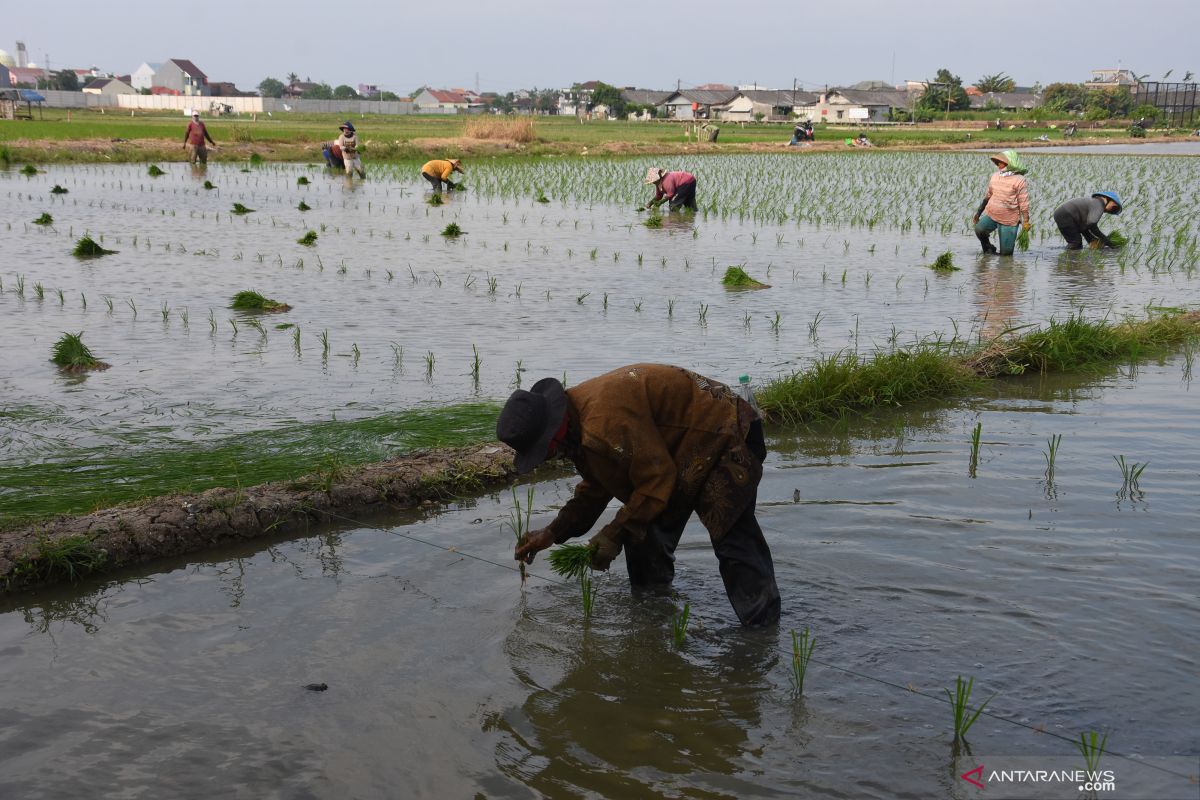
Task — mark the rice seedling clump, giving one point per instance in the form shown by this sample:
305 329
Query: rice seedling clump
738 278
1023 239
209 185
29 169
253 301
571 560
654 221
56 189
452 231
238 208
308 239
1117 239
944 263
87 247
302 181
435 199
303 206
44 219
541 197
72 355
154 171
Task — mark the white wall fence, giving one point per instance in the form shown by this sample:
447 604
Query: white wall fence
240 105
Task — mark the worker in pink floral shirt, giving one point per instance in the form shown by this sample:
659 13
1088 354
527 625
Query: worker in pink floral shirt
676 188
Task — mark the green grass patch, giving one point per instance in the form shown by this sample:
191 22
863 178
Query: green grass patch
82 479
253 301
67 557
238 208
87 247
71 354
738 278
308 239
44 219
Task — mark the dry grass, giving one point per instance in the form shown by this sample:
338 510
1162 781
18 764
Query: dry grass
513 129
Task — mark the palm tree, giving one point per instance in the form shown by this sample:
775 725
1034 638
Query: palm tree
293 79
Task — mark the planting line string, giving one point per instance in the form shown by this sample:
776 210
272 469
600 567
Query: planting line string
787 652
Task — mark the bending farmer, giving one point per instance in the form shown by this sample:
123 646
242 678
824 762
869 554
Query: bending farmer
348 143
194 138
439 171
677 188
1078 219
1005 205
665 442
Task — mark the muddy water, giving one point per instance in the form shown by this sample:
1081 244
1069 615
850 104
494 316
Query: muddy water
1074 601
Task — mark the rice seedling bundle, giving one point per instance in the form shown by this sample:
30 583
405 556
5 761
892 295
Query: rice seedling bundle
1117 239
738 278
209 185
87 247
452 231
1023 239
308 239
56 189
72 355
238 208
302 181
44 219
28 170
154 171
944 263
654 221
571 560
435 199
303 206
253 301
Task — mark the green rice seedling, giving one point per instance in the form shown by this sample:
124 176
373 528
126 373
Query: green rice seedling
183 317
233 324
296 339
44 219
976 432
430 360
606 301
802 650
587 594
209 185
154 171
212 321
72 355
391 276
516 381
238 208
1023 239
56 189
132 306
571 560
248 300
738 278
325 343
475 363
1117 239
256 159
88 248
1091 747
637 307
541 197
944 263
302 181
165 311
82 297
29 170
960 703
775 321
435 199
670 307
812 326
20 290
1131 473
108 302
581 297
308 239
469 281
746 320
1052 445
452 231
303 206
679 625
397 356
258 326
355 353
492 282
62 300
593 253
39 291
703 312
518 521
653 221
342 270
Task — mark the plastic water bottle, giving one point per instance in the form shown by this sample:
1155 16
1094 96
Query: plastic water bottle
747 393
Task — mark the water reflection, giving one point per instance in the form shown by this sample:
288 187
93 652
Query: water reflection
631 716
999 293
1084 271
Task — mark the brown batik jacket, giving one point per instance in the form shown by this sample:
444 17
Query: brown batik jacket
664 441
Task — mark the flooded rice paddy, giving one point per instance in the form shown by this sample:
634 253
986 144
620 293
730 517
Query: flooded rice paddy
1073 599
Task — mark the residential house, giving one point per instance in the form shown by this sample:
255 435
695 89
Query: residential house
697 103
748 104
227 89
646 98
1112 79
182 77
367 90
442 100
577 100
108 87
26 76
1004 101
296 90
142 78
858 105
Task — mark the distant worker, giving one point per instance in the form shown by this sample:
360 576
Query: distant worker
803 132
1005 206
347 142
439 171
666 442
1079 219
194 138
862 141
678 189
333 155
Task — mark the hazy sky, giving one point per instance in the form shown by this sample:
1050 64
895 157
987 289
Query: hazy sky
649 43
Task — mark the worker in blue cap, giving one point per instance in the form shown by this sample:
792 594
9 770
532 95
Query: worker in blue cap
347 142
1079 219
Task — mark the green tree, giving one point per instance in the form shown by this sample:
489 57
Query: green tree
995 83
64 80
388 96
292 79
944 93
610 96
1108 103
344 92
1064 97
320 91
271 87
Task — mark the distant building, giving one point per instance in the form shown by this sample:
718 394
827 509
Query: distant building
647 98
1005 101
442 100
143 77
108 87
1112 79
227 89
26 76
367 90
577 100
697 103
857 105
747 104
181 77
297 89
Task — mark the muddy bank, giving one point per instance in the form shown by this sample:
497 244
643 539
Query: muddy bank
67 547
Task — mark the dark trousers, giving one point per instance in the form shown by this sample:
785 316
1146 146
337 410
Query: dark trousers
1071 231
743 555
435 182
685 197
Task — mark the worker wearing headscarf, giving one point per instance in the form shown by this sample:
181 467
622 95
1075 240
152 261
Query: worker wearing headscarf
1005 206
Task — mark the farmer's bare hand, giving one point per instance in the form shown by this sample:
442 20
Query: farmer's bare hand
535 542
1094 244
606 549
1027 227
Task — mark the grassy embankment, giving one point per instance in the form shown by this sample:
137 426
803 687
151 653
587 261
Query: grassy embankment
116 137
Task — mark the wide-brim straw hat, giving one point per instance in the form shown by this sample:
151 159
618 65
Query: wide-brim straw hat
529 421
654 175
